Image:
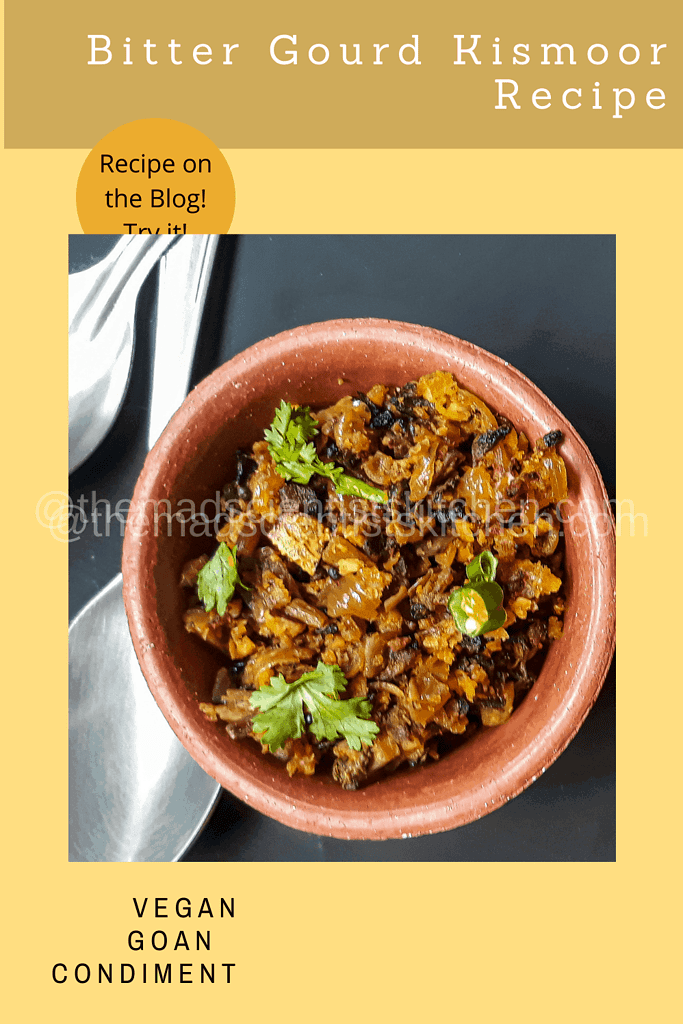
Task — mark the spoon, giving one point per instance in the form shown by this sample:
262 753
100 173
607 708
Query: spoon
135 794
101 316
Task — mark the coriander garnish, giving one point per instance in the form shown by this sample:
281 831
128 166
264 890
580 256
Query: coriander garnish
281 706
217 580
289 442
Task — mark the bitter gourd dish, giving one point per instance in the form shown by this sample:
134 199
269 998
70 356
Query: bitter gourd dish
387 578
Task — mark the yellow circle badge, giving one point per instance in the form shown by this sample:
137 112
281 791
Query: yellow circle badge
155 176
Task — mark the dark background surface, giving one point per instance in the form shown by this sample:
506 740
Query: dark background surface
546 303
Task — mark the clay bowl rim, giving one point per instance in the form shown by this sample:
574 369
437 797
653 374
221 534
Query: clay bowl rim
428 799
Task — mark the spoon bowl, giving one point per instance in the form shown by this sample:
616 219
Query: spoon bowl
127 770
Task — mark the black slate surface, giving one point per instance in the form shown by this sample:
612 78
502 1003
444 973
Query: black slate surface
546 303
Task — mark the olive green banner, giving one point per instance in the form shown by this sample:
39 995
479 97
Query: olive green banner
306 75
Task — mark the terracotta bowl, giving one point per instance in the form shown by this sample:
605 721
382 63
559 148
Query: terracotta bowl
192 460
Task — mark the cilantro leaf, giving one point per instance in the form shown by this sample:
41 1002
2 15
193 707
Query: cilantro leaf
217 580
281 712
281 707
289 442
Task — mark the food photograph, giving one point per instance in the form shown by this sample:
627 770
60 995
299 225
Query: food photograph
341 548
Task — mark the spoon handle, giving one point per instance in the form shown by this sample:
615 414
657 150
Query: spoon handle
94 293
184 273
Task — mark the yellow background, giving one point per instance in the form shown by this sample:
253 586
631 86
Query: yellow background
532 943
